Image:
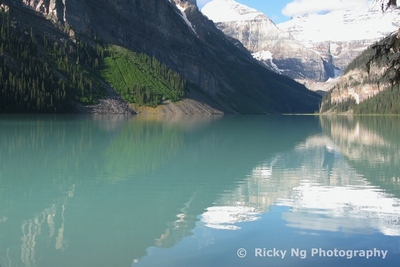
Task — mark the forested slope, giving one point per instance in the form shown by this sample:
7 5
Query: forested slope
39 74
370 83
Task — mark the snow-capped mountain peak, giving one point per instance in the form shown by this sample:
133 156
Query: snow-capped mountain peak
229 10
268 44
368 23
309 48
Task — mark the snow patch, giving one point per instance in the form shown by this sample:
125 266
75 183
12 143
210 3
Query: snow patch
229 10
266 56
263 55
343 25
183 15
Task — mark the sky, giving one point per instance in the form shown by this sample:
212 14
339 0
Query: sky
282 10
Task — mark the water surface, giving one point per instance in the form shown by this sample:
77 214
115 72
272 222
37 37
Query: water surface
199 191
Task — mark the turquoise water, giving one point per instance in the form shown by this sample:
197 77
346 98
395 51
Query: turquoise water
199 191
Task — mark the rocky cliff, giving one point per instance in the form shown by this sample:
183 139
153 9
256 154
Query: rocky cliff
310 48
276 48
340 36
371 74
178 35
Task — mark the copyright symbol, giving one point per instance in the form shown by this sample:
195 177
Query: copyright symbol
241 252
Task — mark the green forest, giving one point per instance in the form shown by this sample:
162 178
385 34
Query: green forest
27 81
139 78
39 74
386 102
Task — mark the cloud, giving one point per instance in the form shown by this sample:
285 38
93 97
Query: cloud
300 7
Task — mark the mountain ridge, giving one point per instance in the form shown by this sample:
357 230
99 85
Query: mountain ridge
370 84
340 36
196 50
272 46
324 44
366 23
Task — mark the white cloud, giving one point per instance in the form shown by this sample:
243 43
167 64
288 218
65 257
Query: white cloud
300 7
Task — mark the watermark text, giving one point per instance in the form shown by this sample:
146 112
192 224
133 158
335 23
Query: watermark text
312 253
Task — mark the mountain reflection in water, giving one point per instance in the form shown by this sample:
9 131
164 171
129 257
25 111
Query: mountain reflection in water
325 180
117 191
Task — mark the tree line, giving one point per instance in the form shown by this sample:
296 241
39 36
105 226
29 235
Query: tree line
42 74
27 83
381 55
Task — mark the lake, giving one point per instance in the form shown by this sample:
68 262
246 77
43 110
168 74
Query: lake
199 191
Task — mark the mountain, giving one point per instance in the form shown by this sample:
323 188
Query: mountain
339 36
274 47
311 48
370 83
219 76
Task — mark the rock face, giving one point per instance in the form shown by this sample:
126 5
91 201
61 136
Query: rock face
178 35
276 48
62 12
340 36
354 90
309 48
366 76
53 9
186 2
